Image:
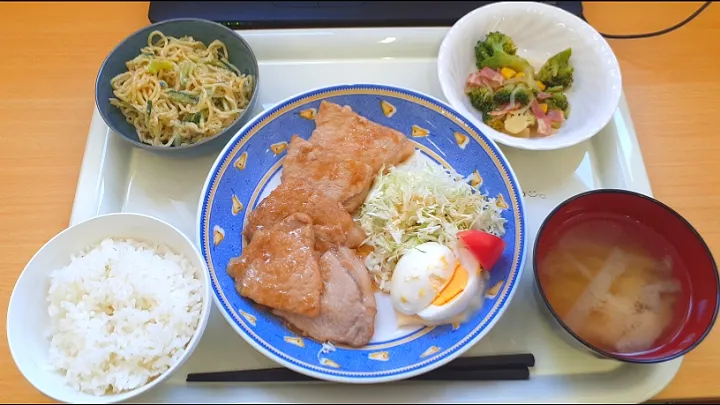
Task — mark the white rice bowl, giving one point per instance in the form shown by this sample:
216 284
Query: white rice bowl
121 313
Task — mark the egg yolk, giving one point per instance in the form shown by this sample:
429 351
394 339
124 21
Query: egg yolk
457 284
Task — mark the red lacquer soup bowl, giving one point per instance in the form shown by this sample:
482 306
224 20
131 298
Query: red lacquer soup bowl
625 276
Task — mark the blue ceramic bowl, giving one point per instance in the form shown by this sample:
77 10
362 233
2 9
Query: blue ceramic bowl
202 30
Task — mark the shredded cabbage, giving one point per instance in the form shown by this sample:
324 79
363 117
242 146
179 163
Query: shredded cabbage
420 202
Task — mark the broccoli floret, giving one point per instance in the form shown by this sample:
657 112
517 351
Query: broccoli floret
502 96
557 71
499 39
522 95
498 51
485 49
558 101
482 51
482 99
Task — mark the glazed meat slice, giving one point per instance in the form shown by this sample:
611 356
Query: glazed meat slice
353 135
347 180
347 305
331 222
279 268
344 153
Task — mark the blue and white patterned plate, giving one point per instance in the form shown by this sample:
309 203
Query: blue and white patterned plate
249 168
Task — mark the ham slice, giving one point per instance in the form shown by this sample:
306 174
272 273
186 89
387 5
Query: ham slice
543 120
556 116
509 107
486 77
543 96
544 127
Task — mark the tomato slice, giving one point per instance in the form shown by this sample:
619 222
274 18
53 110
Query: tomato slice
486 248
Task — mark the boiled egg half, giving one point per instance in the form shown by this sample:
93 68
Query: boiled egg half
435 283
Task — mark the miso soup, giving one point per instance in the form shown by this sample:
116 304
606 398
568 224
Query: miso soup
615 283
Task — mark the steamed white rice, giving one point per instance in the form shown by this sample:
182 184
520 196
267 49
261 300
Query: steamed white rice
122 313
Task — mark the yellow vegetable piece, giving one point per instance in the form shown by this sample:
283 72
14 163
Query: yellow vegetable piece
520 74
507 73
541 85
544 107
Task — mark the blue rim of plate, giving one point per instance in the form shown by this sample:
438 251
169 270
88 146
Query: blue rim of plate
244 325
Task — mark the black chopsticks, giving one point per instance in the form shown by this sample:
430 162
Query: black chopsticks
512 367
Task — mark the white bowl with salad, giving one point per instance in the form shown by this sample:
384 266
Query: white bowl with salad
530 75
